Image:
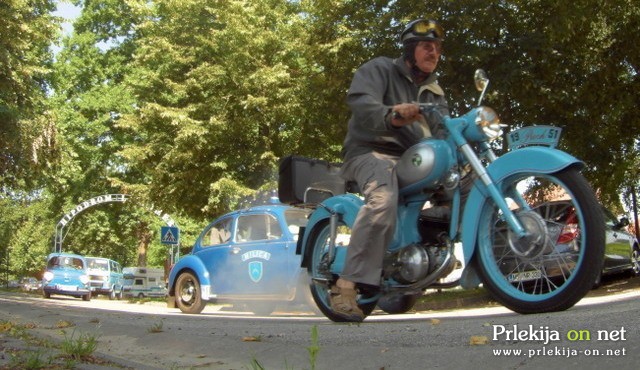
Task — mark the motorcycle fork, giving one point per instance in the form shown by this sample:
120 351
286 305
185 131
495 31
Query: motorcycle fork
493 191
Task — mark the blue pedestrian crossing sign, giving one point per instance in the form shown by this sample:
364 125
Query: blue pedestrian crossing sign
169 235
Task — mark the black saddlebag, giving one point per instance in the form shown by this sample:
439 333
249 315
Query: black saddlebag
305 180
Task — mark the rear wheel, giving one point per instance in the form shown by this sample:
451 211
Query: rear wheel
112 293
559 260
322 277
86 297
189 294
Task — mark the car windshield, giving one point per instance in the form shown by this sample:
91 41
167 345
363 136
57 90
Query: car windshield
96 264
66 262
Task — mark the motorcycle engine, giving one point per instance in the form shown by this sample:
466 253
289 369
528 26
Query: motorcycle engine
412 263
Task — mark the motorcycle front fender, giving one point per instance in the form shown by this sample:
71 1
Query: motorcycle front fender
535 160
346 206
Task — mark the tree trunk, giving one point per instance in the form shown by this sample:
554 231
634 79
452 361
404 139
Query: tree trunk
144 239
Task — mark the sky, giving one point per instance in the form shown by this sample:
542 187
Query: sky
67 11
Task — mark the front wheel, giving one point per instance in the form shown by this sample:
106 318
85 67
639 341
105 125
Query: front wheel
319 270
560 258
188 294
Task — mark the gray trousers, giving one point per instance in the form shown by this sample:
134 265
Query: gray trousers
376 221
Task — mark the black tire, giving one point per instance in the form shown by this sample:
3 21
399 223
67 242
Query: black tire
120 294
112 294
397 303
598 283
46 294
86 297
188 294
140 295
635 262
558 263
318 268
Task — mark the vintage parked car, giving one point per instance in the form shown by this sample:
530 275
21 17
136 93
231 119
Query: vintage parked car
30 284
66 274
246 256
621 250
105 277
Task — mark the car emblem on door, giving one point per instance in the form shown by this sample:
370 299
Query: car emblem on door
255 271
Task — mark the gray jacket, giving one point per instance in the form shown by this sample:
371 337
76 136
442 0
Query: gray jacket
377 86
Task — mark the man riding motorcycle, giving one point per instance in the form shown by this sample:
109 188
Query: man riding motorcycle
384 123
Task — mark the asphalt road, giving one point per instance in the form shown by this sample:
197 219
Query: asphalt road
600 332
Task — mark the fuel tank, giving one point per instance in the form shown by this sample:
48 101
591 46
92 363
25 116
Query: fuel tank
424 166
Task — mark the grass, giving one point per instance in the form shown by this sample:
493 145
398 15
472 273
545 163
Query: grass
313 351
37 353
80 348
454 298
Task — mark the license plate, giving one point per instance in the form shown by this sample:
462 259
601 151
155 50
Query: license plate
524 276
68 288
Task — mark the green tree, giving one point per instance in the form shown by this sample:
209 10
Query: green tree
218 88
27 133
89 97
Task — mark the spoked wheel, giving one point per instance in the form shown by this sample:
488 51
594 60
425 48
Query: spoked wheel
323 278
558 261
188 294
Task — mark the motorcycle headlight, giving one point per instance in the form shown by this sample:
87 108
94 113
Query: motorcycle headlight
488 121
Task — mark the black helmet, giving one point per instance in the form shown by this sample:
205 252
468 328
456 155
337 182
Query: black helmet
422 30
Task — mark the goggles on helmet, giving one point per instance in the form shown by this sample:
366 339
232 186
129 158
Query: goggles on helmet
423 29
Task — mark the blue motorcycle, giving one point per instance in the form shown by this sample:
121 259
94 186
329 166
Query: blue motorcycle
531 252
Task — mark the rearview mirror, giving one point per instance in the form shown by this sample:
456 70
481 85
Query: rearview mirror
482 81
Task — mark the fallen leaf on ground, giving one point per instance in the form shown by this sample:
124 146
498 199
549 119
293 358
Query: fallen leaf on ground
251 339
478 340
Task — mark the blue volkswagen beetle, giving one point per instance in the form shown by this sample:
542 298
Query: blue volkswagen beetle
246 256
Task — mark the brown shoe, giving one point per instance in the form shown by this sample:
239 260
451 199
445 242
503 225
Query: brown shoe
343 303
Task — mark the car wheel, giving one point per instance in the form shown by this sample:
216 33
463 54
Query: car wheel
189 294
86 297
46 294
598 283
635 261
120 295
140 295
112 294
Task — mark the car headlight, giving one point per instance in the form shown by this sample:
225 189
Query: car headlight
84 279
48 275
488 121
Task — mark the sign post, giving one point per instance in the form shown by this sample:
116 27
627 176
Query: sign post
171 235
